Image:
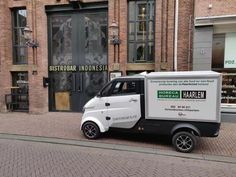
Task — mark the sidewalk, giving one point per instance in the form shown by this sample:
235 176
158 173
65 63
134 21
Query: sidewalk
66 126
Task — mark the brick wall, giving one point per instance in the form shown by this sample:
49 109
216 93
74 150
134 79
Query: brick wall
164 35
219 7
5 52
165 26
185 35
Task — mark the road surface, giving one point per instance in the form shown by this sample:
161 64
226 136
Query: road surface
34 159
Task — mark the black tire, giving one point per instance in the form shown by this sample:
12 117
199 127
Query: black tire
91 130
184 141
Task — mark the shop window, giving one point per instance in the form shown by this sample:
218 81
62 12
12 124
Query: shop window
229 88
218 49
19 99
141 31
20 82
19 17
224 61
223 51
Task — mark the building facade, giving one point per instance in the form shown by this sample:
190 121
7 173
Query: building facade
214 46
57 54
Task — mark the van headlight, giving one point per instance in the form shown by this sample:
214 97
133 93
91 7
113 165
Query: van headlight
88 107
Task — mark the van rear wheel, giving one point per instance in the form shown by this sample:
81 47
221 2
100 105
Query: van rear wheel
90 130
184 141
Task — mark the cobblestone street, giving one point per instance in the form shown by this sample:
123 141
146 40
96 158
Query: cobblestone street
67 126
28 159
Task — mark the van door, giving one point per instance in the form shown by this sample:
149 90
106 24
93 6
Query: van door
123 104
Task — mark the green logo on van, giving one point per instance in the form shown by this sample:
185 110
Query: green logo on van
171 94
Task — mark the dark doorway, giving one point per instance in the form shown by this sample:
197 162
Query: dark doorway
77 58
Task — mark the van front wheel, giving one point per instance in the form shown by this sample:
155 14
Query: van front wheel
90 130
184 141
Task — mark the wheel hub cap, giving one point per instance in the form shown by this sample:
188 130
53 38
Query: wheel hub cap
184 143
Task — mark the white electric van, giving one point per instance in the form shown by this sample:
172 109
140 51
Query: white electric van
180 104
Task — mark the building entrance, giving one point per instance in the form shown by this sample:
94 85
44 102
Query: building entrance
77 58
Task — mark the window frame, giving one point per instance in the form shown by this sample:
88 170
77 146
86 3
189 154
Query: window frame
150 4
214 65
16 46
121 90
113 84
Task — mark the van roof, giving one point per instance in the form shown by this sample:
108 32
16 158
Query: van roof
183 73
175 74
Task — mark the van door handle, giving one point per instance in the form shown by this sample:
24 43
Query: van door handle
73 82
107 104
80 88
133 100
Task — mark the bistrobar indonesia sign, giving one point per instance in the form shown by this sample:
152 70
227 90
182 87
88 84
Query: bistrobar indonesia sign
63 68
92 68
80 68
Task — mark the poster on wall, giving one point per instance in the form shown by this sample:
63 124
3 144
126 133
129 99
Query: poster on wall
230 52
115 74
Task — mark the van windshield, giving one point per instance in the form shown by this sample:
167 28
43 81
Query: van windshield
105 90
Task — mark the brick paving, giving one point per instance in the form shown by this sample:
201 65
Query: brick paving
28 159
66 126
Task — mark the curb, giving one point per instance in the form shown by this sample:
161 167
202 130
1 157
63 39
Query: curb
214 158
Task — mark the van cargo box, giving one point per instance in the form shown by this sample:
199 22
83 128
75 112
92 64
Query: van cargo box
186 96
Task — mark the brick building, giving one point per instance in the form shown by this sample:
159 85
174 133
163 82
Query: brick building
56 54
70 52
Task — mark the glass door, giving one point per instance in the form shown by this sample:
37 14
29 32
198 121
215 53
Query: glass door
61 80
89 55
78 61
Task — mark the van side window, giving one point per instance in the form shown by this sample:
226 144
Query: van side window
124 87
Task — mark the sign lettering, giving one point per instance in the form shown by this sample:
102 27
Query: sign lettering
193 94
184 94
63 68
80 68
95 68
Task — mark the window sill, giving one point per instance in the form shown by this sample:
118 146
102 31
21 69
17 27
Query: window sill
140 66
22 67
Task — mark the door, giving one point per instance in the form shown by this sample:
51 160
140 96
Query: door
123 104
78 58
60 51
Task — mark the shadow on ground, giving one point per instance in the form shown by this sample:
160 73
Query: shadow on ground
138 138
